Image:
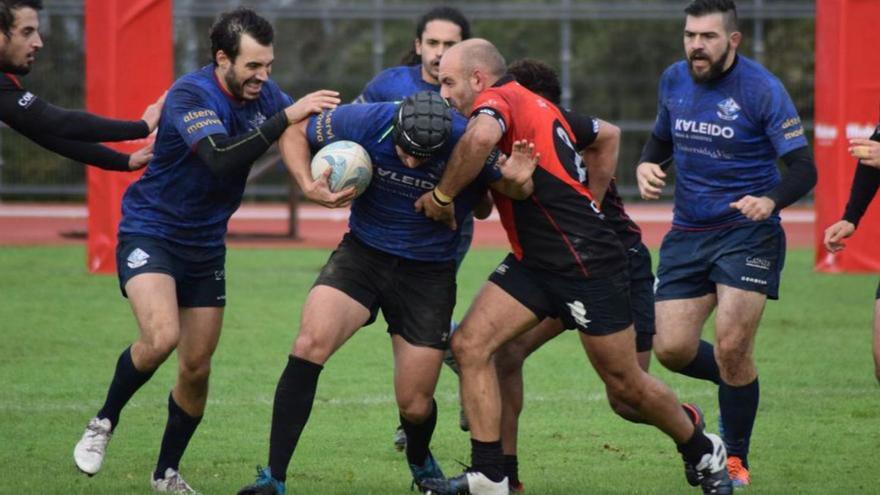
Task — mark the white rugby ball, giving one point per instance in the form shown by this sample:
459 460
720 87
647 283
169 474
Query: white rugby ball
350 165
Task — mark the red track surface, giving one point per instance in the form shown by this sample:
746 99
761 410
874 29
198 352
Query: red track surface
266 226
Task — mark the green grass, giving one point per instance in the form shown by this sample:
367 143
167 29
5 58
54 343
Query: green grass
61 331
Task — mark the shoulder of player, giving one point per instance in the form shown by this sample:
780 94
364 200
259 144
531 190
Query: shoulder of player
756 77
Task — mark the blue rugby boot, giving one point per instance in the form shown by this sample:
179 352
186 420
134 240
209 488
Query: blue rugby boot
265 484
430 469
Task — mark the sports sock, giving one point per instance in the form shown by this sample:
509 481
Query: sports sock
294 397
126 381
488 458
178 430
418 436
511 469
739 406
694 449
704 365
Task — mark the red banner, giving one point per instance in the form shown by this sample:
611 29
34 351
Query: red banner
847 106
129 63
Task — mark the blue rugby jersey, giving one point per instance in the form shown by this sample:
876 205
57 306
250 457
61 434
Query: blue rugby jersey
395 84
384 216
178 198
727 135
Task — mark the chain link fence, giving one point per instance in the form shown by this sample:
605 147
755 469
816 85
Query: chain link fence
610 55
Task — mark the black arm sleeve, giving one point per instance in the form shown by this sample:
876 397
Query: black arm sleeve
29 115
90 153
864 187
225 155
658 151
798 181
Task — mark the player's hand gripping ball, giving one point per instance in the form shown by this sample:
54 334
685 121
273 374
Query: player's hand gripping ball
350 165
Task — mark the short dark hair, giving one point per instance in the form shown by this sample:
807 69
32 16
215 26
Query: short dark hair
537 77
727 8
7 14
443 13
230 26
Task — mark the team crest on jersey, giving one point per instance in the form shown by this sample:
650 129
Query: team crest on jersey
728 109
137 258
257 120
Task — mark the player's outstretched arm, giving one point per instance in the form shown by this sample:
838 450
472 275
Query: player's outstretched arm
295 152
601 156
89 153
517 171
153 112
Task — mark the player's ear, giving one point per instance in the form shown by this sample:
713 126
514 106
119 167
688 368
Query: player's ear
735 39
222 60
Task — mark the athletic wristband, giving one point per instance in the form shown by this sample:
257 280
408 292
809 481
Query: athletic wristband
442 198
435 196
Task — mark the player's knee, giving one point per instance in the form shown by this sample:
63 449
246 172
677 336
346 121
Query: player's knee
195 371
310 348
463 349
415 408
732 354
672 355
156 348
623 389
508 360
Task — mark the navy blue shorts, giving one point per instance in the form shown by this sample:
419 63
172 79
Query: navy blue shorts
641 294
416 297
748 256
199 273
599 306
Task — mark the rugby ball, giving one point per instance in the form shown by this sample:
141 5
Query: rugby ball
350 165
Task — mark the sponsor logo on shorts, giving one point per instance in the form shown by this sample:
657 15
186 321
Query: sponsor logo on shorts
756 262
137 258
753 280
444 337
656 284
579 313
221 297
502 269
219 275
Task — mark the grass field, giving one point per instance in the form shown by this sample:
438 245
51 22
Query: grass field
61 331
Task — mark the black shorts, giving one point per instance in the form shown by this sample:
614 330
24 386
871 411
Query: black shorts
595 306
877 296
641 293
199 273
416 297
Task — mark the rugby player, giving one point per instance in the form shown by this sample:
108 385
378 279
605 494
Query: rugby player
596 141
392 258
436 31
73 134
567 262
171 253
725 120
864 188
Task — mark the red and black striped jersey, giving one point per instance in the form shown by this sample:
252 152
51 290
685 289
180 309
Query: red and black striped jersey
558 228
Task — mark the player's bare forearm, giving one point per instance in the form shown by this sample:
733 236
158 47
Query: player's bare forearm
470 154
601 157
295 152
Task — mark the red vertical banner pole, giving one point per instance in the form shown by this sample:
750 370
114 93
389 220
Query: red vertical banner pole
847 106
129 63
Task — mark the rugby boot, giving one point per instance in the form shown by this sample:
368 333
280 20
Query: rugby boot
738 472
265 484
712 469
172 482
399 439
430 469
470 482
89 451
696 414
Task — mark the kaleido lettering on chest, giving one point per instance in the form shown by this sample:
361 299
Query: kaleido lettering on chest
704 128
